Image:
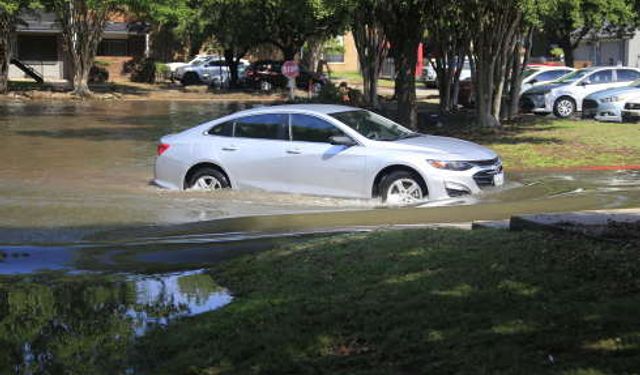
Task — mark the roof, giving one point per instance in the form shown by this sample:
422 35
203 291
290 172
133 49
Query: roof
46 23
318 108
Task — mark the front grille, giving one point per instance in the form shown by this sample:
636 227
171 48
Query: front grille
486 163
589 104
632 106
455 193
485 178
526 104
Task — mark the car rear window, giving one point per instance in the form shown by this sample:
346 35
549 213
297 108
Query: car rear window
272 126
222 130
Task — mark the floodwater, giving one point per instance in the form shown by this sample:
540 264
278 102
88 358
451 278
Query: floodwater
68 169
87 324
77 210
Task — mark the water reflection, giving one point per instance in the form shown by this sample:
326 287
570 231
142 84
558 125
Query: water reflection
87 324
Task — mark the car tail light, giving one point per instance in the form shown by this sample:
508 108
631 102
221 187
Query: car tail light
162 147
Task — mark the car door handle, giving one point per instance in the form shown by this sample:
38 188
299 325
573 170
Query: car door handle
294 152
230 148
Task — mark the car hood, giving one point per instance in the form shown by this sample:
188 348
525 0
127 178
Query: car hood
444 148
626 90
544 88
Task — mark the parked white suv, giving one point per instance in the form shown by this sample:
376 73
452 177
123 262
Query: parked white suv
203 72
564 97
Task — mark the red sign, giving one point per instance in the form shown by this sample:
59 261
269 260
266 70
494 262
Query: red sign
290 69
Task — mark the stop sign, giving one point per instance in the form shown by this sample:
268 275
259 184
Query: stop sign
290 69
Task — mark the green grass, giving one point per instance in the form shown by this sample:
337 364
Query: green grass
417 302
354 78
538 143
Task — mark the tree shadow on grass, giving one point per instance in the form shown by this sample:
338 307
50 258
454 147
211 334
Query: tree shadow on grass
417 302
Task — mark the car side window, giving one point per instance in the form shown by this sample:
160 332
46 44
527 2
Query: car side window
306 128
627 75
603 76
222 130
273 126
550 75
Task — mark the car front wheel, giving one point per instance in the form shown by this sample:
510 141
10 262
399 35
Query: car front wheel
564 107
402 188
208 179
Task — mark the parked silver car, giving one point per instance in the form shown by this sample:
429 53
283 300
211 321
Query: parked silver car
607 105
324 150
564 96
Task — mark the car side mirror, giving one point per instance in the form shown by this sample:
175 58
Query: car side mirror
341 140
533 81
585 82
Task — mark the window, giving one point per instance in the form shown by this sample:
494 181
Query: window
603 76
216 63
262 126
222 130
312 129
113 47
627 75
550 75
37 48
373 126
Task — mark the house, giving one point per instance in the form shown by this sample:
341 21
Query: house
39 45
609 48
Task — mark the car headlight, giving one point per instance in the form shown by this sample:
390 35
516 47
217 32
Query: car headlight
450 165
611 99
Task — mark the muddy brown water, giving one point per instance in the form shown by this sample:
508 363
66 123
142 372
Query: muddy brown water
72 168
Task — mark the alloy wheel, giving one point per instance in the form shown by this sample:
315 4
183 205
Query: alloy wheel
404 191
565 108
207 183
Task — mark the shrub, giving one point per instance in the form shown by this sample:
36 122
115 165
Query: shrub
141 70
162 71
98 74
329 94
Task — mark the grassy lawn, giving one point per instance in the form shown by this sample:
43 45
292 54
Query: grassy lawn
551 143
418 302
354 78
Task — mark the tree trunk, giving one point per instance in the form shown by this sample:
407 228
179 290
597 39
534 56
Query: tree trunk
81 70
520 62
406 86
289 52
232 58
6 33
312 54
372 47
567 49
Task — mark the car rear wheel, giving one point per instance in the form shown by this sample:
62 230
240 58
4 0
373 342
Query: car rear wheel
564 107
402 188
190 78
265 86
208 179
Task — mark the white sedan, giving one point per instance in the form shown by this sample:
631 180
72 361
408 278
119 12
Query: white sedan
324 150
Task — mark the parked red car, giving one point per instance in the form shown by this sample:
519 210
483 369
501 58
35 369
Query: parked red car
267 75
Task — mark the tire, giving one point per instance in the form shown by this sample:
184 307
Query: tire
564 107
190 78
265 86
207 179
414 193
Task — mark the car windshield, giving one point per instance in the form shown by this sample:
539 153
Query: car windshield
529 71
573 76
373 126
